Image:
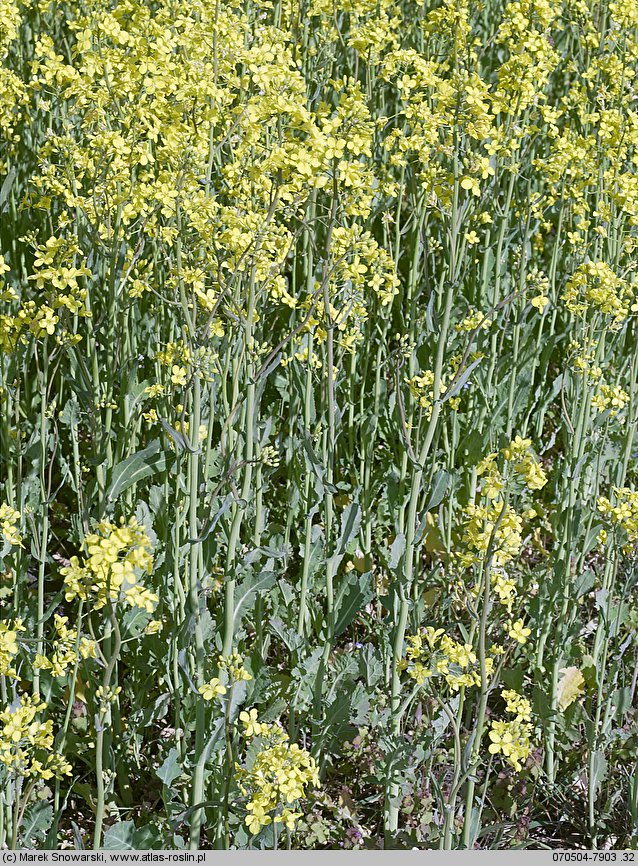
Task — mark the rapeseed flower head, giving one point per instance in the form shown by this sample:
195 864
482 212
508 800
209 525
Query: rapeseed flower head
9 631
27 744
115 556
432 653
595 286
64 654
276 777
512 738
621 512
9 521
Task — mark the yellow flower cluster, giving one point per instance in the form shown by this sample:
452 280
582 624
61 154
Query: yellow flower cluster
64 654
501 524
9 520
504 587
431 92
232 670
12 89
610 397
26 743
59 295
450 21
518 454
532 57
432 653
9 646
373 30
114 557
233 664
360 266
226 140
624 13
363 263
422 390
277 776
583 359
512 738
537 289
9 24
595 286
621 512
473 320
174 354
481 523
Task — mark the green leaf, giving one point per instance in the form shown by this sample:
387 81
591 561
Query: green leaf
315 465
77 837
147 838
5 548
206 531
237 696
584 583
285 634
371 664
396 550
439 486
247 590
302 678
70 415
350 522
335 724
135 468
170 769
134 622
353 594
37 821
599 770
5 189
592 538
458 385
360 707
123 836
120 837
177 437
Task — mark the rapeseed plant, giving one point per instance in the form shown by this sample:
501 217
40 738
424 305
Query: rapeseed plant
318 398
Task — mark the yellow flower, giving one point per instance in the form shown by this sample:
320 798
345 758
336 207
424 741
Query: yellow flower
9 645
279 775
24 737
211 689
257 817
511 739
517 705
179 375
252 728
154 626
288 818
517 631
540 302
470 183
115 554
9 519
